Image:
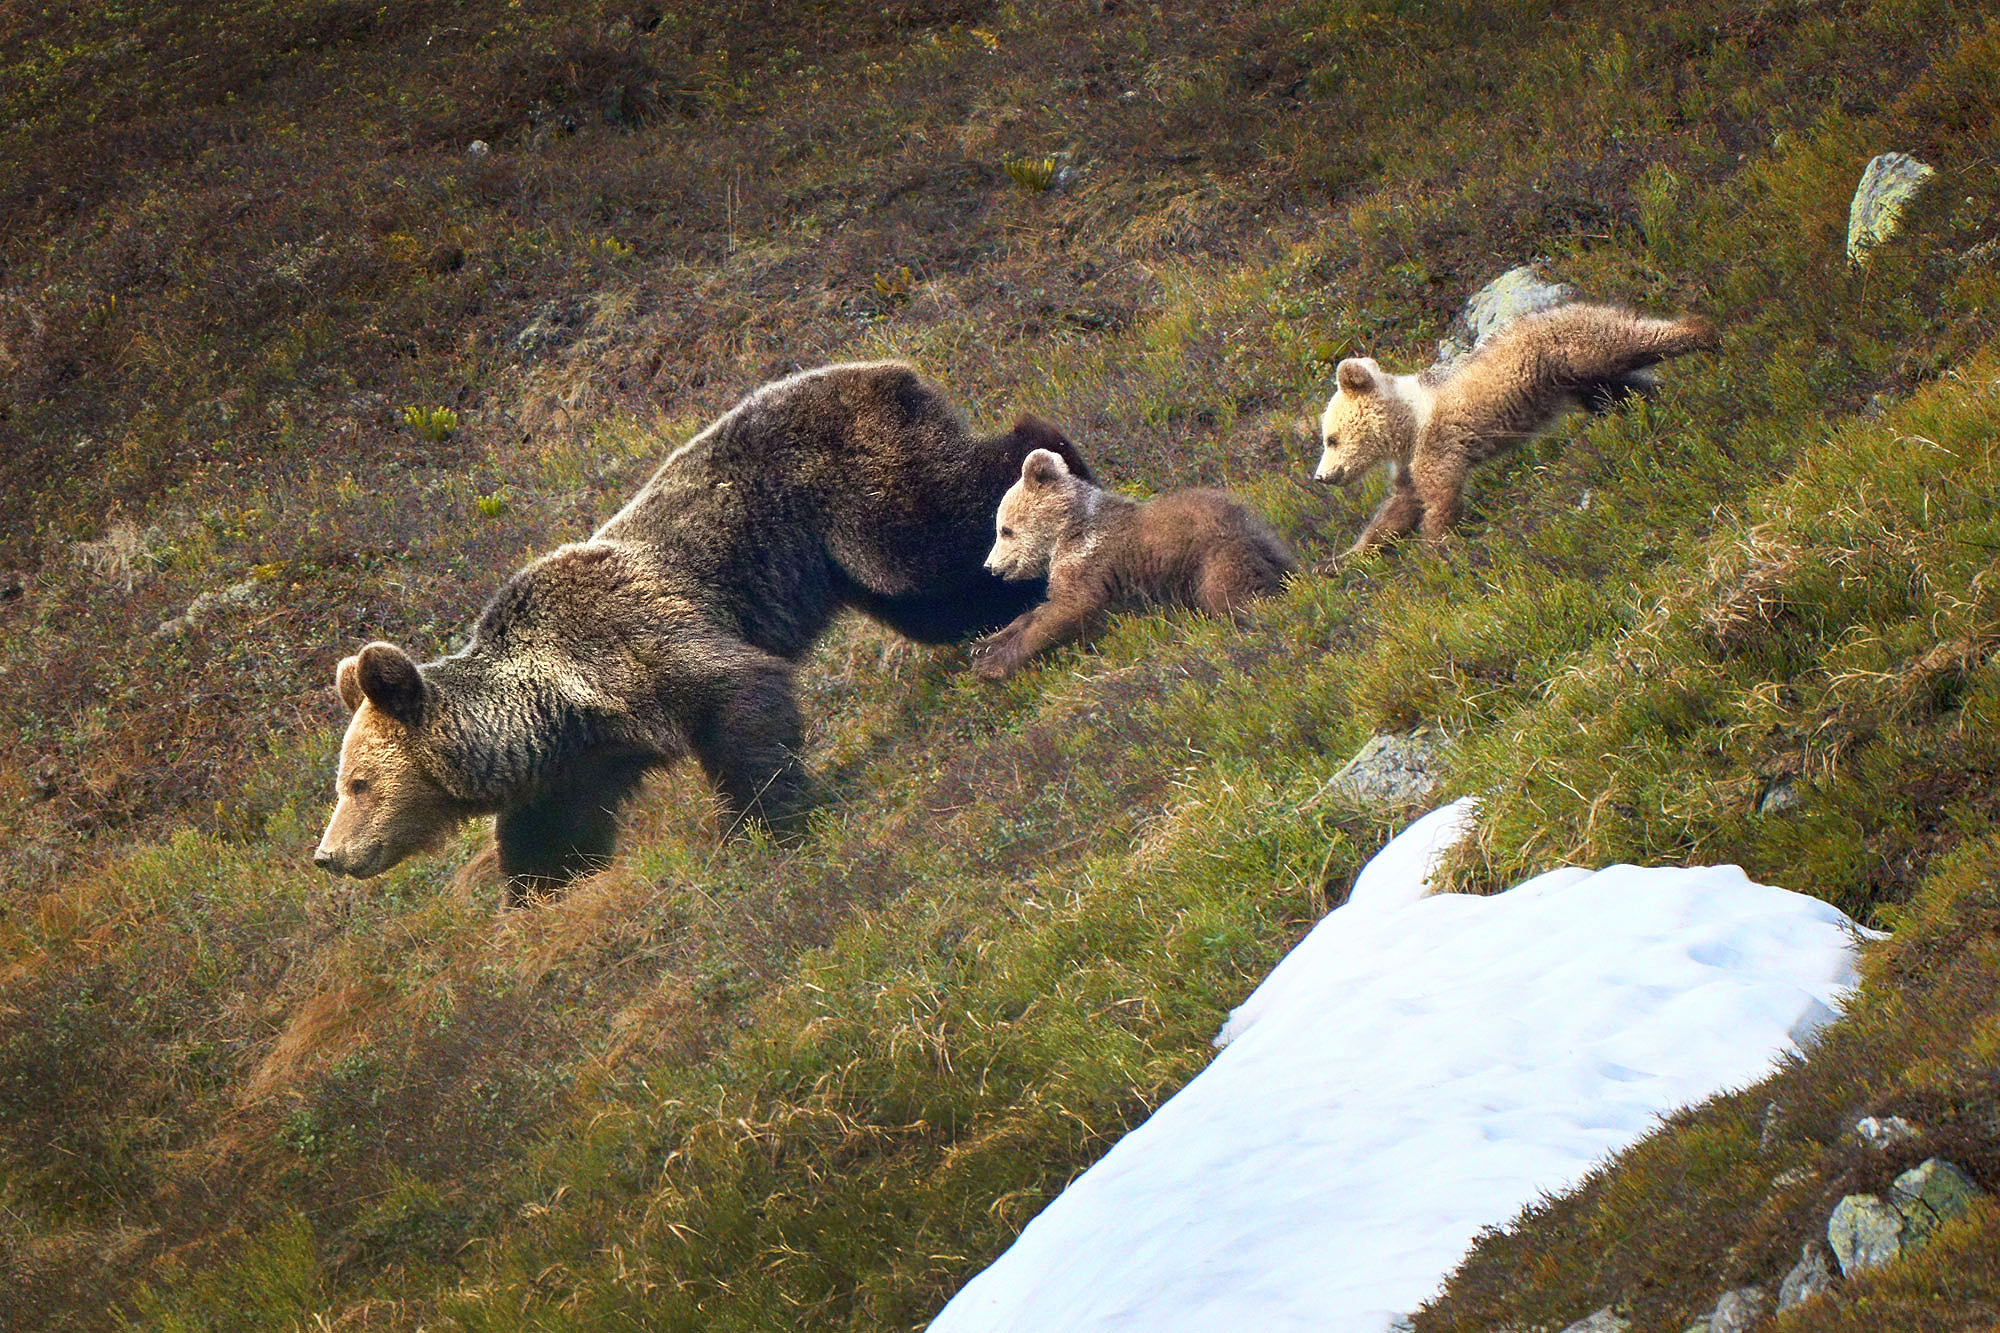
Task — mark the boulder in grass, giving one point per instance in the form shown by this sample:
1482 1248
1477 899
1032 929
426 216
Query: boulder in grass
1865 1232
1517 292
1887 186
1929 1195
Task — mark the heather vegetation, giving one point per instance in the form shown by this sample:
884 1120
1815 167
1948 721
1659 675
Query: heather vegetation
285 367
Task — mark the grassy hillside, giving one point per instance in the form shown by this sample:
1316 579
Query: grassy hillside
738 1086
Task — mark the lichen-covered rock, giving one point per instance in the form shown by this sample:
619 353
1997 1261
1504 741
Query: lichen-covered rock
1603 1321
1737 1310
1930 1194
1391 771
1865 1232
1517 292
1781 797
1887 186
1810 1276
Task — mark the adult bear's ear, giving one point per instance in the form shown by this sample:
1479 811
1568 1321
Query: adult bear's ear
388 678
1042 467
347 683
1355 377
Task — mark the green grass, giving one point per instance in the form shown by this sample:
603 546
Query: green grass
748 1086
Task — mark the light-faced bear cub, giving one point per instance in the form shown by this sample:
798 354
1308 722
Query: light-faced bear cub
1102 552
1431 428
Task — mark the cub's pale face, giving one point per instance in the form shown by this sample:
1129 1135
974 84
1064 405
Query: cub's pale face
1031 518
1361 426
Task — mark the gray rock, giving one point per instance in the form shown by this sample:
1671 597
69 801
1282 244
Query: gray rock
1885 1132
1391 771
1604 1321
1781 797
1810 1276
477 148
1517 292
1737 1310
1929 1195
1864 1232
1887 186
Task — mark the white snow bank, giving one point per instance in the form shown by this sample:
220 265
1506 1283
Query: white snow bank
1416 1069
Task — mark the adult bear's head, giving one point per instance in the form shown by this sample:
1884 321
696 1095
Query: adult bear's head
388 804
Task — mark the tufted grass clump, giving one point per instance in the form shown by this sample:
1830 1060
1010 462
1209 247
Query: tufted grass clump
1035 175
433 424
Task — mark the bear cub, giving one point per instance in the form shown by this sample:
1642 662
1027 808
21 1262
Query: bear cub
1102 552
1432 428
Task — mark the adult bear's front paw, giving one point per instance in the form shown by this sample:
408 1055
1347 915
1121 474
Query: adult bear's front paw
993 657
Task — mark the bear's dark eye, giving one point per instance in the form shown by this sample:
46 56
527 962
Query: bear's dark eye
357 787
1006 532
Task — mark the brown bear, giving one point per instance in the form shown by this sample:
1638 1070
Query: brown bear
1101 552
1431 428
674 629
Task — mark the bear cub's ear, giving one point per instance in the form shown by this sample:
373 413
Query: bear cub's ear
384 675
1043 468
1355 377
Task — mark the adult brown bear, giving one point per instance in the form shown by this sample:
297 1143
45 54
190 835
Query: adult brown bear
675 628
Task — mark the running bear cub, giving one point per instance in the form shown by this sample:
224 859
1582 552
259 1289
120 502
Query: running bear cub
1101 552
1431 428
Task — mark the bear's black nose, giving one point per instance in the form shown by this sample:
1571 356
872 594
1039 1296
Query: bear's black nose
325 861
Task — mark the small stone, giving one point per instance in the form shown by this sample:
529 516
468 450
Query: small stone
1391 771
1603 1321
1781 797
1885 1132
1887 186
1737 1310
1930 1194
1810 1276
1517 292
477 148
1864 1232
1767 1128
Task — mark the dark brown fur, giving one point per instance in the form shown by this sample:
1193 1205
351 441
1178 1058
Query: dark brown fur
674 629
1102 553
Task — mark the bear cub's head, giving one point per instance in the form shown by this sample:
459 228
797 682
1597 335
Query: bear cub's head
387 807
1033 515
1366 423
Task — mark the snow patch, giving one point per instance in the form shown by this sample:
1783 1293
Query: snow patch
1418 1068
